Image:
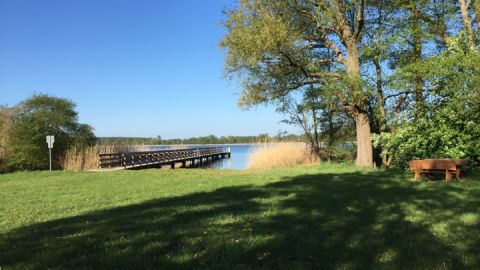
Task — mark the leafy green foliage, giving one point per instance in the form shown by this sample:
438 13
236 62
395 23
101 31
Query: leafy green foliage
37 117
451 127
279 47
447 134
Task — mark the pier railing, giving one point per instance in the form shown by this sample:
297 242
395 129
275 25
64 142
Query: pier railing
147 158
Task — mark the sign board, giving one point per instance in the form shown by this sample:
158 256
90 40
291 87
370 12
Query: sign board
50 141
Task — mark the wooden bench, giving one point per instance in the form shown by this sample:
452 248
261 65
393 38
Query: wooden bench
445 165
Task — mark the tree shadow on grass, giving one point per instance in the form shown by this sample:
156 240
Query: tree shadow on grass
328 221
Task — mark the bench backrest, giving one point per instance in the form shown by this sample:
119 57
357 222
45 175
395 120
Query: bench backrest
432 164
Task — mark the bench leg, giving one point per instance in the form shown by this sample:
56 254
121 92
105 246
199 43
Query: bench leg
458 174
448 176
417 175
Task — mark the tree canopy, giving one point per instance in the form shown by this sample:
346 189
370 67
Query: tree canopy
35 118
367 60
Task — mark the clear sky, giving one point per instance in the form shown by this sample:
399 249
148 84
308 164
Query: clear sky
133 67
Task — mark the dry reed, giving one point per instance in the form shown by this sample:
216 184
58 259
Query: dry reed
5 126
76 159
280 155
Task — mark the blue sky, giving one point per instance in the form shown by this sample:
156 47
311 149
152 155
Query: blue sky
134 68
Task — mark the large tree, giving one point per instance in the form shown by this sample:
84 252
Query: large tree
277 47
37 117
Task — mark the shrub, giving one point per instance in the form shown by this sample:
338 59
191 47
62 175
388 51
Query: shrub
37 117
442 136
451 126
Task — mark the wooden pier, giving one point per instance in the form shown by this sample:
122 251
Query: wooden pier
157 159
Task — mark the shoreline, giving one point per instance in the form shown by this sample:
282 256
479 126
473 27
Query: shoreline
225 144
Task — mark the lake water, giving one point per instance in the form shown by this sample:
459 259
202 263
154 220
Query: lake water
237 161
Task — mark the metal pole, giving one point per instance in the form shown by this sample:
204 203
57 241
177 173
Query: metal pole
50 156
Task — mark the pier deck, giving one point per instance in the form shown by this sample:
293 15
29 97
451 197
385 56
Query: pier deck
152 159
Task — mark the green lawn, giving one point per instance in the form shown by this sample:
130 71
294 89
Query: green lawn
327 216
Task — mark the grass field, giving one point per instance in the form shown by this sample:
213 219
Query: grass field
323 216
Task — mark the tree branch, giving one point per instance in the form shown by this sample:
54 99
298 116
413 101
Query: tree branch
308 74
360 19
326 74
293 64
326 60
305 83
335 49
397 94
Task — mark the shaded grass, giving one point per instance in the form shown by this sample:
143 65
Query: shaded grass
329 216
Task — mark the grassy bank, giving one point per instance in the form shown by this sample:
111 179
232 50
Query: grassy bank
328 216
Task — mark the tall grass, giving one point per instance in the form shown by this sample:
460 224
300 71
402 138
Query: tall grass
280 155
82 159
5 127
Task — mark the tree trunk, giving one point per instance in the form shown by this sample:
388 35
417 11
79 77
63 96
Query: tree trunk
441 26
331 133
476 9
417 54
352 65
364 143
419 99
315 132
381 103
467 23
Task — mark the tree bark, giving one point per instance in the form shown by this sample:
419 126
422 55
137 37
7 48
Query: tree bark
417 54
364 143
380 101
441 26
349 35
315 132
476 9
467 23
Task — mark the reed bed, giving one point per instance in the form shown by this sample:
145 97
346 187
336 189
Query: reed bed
5 126
83 159
280 155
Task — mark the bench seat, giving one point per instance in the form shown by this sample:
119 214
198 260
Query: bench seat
447 166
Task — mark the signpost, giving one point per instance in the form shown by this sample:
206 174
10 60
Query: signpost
50 141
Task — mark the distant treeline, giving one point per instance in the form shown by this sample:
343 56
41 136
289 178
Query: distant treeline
210 139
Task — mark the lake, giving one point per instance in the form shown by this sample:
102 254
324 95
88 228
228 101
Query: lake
238 160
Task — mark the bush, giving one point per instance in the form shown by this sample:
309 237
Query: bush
37 117
451 126
447 134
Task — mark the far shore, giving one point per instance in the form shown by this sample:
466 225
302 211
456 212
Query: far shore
220 144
